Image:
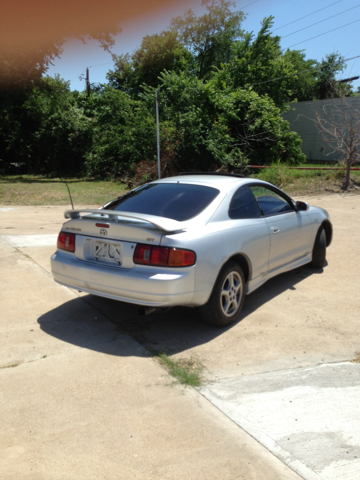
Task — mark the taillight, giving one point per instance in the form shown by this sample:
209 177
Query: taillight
163 256
66 241
142 254
159 256
181 258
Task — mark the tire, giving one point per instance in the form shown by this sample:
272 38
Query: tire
227 297
319 251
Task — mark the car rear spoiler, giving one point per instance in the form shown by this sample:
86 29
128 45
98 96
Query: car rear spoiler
164 224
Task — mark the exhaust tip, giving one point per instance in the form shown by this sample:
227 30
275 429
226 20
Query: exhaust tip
146 310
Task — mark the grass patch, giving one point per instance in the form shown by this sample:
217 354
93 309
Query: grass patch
186 372
37 190
308 182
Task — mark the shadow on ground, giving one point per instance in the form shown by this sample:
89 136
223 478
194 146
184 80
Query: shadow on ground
174 331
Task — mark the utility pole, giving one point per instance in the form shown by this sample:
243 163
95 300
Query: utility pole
87 81
158 133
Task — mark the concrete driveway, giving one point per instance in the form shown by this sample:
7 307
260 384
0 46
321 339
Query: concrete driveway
81 396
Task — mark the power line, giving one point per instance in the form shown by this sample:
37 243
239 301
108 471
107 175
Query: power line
352 58
91 66
352 67
308 15
321 34
321 21
248 5
100 65
77 76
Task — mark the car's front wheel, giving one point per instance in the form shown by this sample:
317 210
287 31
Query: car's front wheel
319 251
227 297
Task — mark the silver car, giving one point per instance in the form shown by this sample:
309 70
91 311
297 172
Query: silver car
196 240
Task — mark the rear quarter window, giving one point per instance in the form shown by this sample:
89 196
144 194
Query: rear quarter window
244 205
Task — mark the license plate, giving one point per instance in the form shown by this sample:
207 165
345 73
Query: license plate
107 252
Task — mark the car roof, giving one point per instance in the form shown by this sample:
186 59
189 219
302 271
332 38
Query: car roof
220 181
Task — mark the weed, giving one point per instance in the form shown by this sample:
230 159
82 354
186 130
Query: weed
356 359
11 366
44 356
278 175
187 372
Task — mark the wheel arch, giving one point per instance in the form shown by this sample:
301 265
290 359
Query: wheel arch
244 263
326 225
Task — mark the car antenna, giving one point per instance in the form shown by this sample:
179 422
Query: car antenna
67 186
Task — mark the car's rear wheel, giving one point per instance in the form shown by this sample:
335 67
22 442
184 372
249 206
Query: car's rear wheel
227 297
319 251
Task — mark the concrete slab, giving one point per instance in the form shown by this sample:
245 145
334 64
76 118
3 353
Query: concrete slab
41 256
21 241
78 399
36 313
307 417
89 415
21 220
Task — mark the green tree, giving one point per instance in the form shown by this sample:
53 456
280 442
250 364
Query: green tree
327 86
24 112
156 54
185 114
210 37
215 128
124 133
44 128
303 82
255 128
258 62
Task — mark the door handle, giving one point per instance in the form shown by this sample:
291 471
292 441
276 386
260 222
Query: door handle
275 229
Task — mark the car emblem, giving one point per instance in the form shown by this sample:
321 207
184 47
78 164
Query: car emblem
103 231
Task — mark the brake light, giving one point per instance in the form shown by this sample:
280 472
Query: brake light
163 256
159 256
66 241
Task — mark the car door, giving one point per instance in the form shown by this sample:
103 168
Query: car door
253 231
290 230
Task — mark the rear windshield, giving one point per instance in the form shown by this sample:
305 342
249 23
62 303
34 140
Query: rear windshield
171 200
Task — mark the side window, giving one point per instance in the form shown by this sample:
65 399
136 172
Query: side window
244 205
270 202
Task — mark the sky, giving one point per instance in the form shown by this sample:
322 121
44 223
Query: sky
318 27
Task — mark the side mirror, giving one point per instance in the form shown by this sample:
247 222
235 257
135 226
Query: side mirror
301 206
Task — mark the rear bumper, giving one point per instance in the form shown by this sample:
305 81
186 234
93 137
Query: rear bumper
160 287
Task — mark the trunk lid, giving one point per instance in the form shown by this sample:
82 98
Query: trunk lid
110 238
